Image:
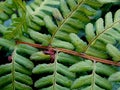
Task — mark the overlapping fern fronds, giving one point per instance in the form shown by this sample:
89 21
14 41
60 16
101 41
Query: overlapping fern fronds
70 20
100 37
70 24
90 76
17 74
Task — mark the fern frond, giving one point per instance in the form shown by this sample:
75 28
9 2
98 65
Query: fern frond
19 25
39 37
6 9
113 52
41 8
56 87
86 80
26 49
115 77
38 56
38 10
62 44
99 36
55 25
20 20
77 42
93 80
16 30
7 43
107 34
20 4
71 20
55 76
87 65
18 71
16 77
106 1
67 59
72 16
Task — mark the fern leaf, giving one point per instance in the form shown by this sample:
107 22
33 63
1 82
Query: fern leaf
6 81
3 31
7 43
4 69
6 9
38 37
43 68
81 66
62 44
23 61
115 77
19 22
66 82
74 18
48 80
117 16
103 82
85 80
50 24
113 52
38 10
59 24
108 19
77 42
39 56
118 89
18 72
99 26
68 59
65 71
64 7
89 30
26 39
94 80
81 46
19 77
17 86
93 88
105 34
87 65
56 87
50 68
54 75
43 6
15 31
105 1
26 49
104 69
62 58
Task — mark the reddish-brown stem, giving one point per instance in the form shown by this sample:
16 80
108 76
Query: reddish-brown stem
83 55
34 45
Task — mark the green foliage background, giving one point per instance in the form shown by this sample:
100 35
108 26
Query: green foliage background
91 27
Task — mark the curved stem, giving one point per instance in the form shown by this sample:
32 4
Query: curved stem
83 55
